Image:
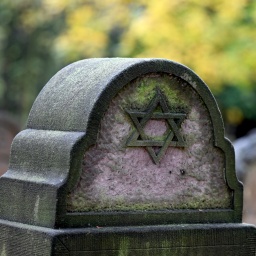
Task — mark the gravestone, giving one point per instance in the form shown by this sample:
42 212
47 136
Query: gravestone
123 157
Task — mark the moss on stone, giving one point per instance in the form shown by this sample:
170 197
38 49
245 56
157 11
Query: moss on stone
146 89
112 182
204 202
124 247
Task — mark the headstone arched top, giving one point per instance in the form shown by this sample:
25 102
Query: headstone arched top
82 90
112 138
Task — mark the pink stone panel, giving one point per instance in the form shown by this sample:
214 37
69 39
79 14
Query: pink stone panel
117 177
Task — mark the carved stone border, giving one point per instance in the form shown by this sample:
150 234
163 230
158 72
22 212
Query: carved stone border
64 120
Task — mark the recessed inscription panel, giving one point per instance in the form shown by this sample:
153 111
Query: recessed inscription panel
156 145
154 151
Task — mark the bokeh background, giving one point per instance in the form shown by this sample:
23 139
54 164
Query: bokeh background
215 38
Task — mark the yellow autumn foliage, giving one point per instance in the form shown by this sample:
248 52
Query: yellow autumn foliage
211 37
215 38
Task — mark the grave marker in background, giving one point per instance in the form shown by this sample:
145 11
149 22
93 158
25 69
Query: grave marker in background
123 157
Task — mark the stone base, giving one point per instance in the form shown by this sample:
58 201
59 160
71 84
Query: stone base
191 239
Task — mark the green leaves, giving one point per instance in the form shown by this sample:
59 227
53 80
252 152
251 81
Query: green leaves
214 38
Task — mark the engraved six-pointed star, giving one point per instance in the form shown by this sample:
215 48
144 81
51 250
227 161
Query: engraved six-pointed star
138 137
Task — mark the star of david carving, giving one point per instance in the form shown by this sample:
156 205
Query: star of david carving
138 137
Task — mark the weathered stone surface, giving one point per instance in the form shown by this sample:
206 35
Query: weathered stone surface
70 170
117 177
178 240
123 157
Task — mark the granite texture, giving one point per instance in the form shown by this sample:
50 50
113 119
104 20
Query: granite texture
79 185
117 177
50 157
161 240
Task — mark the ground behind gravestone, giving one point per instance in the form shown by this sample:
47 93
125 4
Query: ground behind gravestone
249 212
